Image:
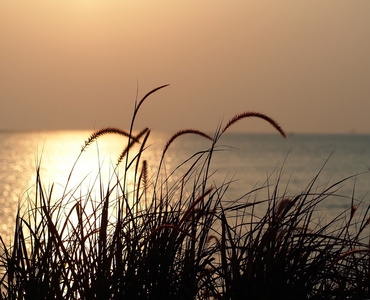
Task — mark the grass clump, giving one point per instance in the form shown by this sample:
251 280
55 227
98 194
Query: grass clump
166 237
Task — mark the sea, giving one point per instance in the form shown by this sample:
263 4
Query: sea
247 161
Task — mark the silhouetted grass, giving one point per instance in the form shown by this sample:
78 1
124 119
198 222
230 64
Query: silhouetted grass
157 237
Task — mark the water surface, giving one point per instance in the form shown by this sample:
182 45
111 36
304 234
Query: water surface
249 159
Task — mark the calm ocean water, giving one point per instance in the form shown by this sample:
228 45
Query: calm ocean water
247 158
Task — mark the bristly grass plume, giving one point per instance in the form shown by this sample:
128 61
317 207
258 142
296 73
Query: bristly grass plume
149 237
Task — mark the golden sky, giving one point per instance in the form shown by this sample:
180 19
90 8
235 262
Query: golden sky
78 64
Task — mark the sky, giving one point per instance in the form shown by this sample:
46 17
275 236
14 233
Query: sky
80 64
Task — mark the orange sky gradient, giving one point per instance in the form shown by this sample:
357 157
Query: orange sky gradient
78 64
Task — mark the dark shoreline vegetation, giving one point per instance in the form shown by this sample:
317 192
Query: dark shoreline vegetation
165 236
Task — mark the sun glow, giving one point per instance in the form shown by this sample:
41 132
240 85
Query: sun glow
71 176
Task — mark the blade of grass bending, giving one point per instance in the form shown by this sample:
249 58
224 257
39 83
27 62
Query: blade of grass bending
146 96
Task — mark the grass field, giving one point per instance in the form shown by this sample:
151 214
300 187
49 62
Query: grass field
150 236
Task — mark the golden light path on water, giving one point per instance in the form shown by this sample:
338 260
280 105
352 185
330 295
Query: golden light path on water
57 153
248 159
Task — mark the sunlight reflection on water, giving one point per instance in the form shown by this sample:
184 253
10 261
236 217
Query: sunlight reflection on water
249 159
56 152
